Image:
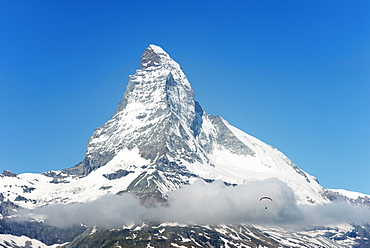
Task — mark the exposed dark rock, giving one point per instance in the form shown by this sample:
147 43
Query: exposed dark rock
9 173
7 208
105 187
149 58
27 189
56 180
55 174
38 230
21 198
118 174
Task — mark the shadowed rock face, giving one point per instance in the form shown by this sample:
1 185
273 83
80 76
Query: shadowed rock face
7 173
150 58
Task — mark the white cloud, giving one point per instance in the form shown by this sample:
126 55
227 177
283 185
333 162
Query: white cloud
208 203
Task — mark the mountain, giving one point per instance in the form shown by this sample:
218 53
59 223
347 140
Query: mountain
159 140
158 120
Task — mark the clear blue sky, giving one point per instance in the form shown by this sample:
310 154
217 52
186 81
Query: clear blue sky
295 74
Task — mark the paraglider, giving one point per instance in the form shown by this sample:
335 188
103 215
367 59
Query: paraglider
266 198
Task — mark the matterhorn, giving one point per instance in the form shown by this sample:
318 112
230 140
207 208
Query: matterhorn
160 140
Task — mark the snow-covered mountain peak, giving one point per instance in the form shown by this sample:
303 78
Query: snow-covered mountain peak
157 106
160 139
160 81
160 119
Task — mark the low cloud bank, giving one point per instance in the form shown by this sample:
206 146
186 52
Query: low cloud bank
208 203
108 211
216 203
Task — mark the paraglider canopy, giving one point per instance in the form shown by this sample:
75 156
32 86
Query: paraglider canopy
266 198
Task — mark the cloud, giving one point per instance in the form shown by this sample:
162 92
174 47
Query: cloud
334 213
208 203
214 203
108 211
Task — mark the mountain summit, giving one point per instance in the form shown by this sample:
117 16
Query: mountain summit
155 56
157 113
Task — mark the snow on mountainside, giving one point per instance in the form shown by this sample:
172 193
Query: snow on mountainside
157 144
354 198
159 139
350 194
12 241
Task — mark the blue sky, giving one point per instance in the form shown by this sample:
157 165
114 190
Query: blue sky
294 74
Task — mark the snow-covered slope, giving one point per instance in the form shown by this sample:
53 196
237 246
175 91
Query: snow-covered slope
159 139
352 197
11 241
350 194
